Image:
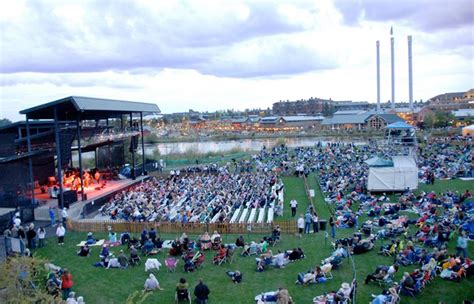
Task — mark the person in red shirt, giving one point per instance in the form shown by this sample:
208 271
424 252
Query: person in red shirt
67 283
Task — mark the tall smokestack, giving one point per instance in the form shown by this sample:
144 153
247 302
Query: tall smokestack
378 75
392 43
410 75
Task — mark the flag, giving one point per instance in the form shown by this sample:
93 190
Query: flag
391 31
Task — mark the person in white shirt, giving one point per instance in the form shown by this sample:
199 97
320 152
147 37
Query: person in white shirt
215 236
71 299
64 215
152 283
300 225
280 260
60 232
41 236
17 221
293 205
113 263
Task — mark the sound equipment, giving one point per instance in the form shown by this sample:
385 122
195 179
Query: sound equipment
70 197
133 144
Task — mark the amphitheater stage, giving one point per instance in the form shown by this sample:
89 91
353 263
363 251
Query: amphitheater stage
94 195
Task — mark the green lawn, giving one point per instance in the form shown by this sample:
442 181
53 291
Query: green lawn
294 189
99 285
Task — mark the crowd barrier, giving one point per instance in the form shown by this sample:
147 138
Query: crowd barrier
287 227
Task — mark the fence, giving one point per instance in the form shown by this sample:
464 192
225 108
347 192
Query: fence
9 245
287 227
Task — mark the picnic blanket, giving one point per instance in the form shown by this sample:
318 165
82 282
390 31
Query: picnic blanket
167 244
98 243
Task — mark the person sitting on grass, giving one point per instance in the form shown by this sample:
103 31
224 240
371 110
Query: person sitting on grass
122 259
216 237
381 273
113 263
283 296
263 246
112 237
152 283
205 240
134 258
295 254
264 260
315 275
85 251
71 299
148 247
280 260
236 276
105 252
90 239
220 255
240 242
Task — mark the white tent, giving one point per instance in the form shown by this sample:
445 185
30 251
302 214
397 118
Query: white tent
402 175
468 131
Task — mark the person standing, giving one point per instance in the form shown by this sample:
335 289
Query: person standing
315 222
52 216
17 220
31 236
66 284
461 245
64 215
41 236
308 219
332 224
60 232
300 225
293 205
201 291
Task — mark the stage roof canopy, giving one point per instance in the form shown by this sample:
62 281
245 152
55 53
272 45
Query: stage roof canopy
399 125
70 108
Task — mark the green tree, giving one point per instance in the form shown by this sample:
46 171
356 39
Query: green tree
23 280
443 119
429 120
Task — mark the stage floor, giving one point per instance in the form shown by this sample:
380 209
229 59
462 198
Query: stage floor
41 212
91 192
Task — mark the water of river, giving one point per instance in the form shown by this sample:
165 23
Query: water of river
243 144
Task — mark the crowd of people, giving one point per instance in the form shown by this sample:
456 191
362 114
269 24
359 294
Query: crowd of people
193 197
200 194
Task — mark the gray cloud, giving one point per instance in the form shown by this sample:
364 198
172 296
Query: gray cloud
74 80
426 15
124 35
274 56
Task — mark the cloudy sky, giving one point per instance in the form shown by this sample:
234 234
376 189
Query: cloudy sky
211 55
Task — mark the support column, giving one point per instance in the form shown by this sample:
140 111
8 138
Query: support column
30 162
143 144
79 150
410 76
123 141
109 154
58 157
378 76
392 52
132 145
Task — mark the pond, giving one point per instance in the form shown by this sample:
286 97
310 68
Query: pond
257 144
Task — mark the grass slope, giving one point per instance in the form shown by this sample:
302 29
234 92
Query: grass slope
294 189
99 285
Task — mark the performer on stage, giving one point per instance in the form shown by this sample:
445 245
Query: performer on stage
87 179
97 177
